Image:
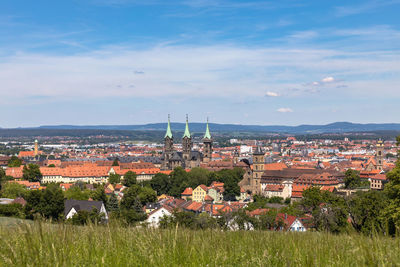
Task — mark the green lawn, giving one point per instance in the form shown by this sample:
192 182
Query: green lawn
58 245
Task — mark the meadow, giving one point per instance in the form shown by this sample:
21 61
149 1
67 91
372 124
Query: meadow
43 244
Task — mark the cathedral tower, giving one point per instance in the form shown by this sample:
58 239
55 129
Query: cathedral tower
168 146
207 145
379 155
258 170
186 145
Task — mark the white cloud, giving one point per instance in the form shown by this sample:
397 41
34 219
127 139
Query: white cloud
178 70
328 80
284 110
271 94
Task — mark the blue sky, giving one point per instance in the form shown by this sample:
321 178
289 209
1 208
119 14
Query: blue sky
249 62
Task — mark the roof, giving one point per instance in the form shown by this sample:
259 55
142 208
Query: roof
81 205
187 132
208 198
169 132
275 166
207 135
187 192
202 186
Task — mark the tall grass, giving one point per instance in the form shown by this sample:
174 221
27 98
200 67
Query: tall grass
41 244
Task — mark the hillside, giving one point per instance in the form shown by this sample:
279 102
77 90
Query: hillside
60 245
337 127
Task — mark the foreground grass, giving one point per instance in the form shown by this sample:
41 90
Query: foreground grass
41 244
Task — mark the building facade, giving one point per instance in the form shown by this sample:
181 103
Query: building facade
187 158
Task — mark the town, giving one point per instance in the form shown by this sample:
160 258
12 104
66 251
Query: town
149 183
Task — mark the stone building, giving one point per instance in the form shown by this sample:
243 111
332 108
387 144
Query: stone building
187 158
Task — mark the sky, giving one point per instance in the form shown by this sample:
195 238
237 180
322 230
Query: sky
287 62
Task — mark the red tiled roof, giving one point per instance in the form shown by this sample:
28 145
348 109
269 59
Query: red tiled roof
187 192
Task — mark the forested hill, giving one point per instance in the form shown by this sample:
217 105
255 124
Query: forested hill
337 127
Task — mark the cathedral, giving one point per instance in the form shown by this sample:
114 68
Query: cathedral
187 158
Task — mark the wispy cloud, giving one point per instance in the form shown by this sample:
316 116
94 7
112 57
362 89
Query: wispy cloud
365 6
271 94
284 110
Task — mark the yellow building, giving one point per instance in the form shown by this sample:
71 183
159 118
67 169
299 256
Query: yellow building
199 193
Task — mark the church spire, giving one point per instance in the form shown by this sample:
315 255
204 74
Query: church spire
187 132
169 132
207 135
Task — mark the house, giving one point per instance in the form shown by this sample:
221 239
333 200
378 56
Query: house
156 215
290 223
72 206
187 193
199 193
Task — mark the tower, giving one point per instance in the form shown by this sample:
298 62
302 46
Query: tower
379 155
236 156
36 149
186 145
258 170
207 145
168 146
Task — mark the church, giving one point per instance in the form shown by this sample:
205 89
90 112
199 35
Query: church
187 158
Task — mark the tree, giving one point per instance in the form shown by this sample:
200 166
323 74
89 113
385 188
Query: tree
113 204
179 181
392 189
352 179
161 183
13 190
114 178
51 166
83 217
115 162
136 193
75 192
99 195
129 178
198 176
31 172
52 205
365 209
14 161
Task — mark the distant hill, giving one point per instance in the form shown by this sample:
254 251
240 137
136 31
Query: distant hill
337 127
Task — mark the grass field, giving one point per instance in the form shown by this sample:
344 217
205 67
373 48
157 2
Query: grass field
42 244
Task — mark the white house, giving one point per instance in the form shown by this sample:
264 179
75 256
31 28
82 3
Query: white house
155 216
72 206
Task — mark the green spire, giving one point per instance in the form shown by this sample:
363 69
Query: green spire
207 135
168 133
187 132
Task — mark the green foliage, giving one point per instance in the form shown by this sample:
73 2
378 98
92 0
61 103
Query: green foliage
115 162
76 193
13 190
135 197
392 189
179 181
31 172
99 195
69 245
352 180
129 178
12 210
137 193
114 178
329 211
48 203
14 161
161 183
51 166
113 204
366 209
83 217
